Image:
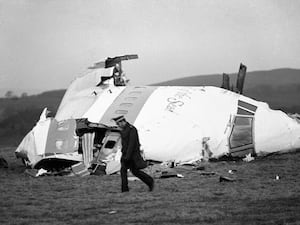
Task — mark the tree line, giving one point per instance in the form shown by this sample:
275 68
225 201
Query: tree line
11 95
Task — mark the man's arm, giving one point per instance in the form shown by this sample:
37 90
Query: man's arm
131 143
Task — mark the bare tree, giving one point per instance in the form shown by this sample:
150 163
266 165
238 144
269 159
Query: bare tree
24 95
9 94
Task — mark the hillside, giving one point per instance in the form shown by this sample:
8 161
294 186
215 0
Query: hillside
280 88
274 78
18 115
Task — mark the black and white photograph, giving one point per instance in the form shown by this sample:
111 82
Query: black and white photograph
149 112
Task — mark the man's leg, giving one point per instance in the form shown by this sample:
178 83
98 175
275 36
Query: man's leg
143 177
124 178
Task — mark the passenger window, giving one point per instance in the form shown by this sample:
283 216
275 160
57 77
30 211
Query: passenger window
122 112
131 98
241 133
126 105
135 93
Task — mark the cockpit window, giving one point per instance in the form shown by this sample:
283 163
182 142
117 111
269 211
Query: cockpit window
242 111
247 106
242 132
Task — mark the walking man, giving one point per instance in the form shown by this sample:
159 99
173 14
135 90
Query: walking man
131 156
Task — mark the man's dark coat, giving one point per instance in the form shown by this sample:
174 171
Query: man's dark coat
131 147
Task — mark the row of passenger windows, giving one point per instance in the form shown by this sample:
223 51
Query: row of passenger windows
132 97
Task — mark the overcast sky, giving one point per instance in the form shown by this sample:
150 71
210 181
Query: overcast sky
46 44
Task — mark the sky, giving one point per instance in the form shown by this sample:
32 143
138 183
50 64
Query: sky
44 45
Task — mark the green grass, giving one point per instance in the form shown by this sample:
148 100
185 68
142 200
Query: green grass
254 198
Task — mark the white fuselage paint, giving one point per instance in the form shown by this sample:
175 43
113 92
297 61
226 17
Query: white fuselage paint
103 102
174 121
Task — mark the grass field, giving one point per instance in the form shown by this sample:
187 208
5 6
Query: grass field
256 197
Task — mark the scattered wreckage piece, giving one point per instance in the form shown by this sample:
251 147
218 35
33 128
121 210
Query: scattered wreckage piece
3 163
226 179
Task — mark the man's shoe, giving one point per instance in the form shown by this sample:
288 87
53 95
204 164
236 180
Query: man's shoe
151 187
125 190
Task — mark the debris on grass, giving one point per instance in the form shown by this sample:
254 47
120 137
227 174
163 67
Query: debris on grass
132 178
232 171
41 172
199 168
207 173
248 158
3 163
168 174
112 212
226 179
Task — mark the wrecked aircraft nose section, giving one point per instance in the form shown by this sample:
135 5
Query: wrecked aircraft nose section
187 125
179 124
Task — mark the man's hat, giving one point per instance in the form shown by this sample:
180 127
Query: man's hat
119 119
